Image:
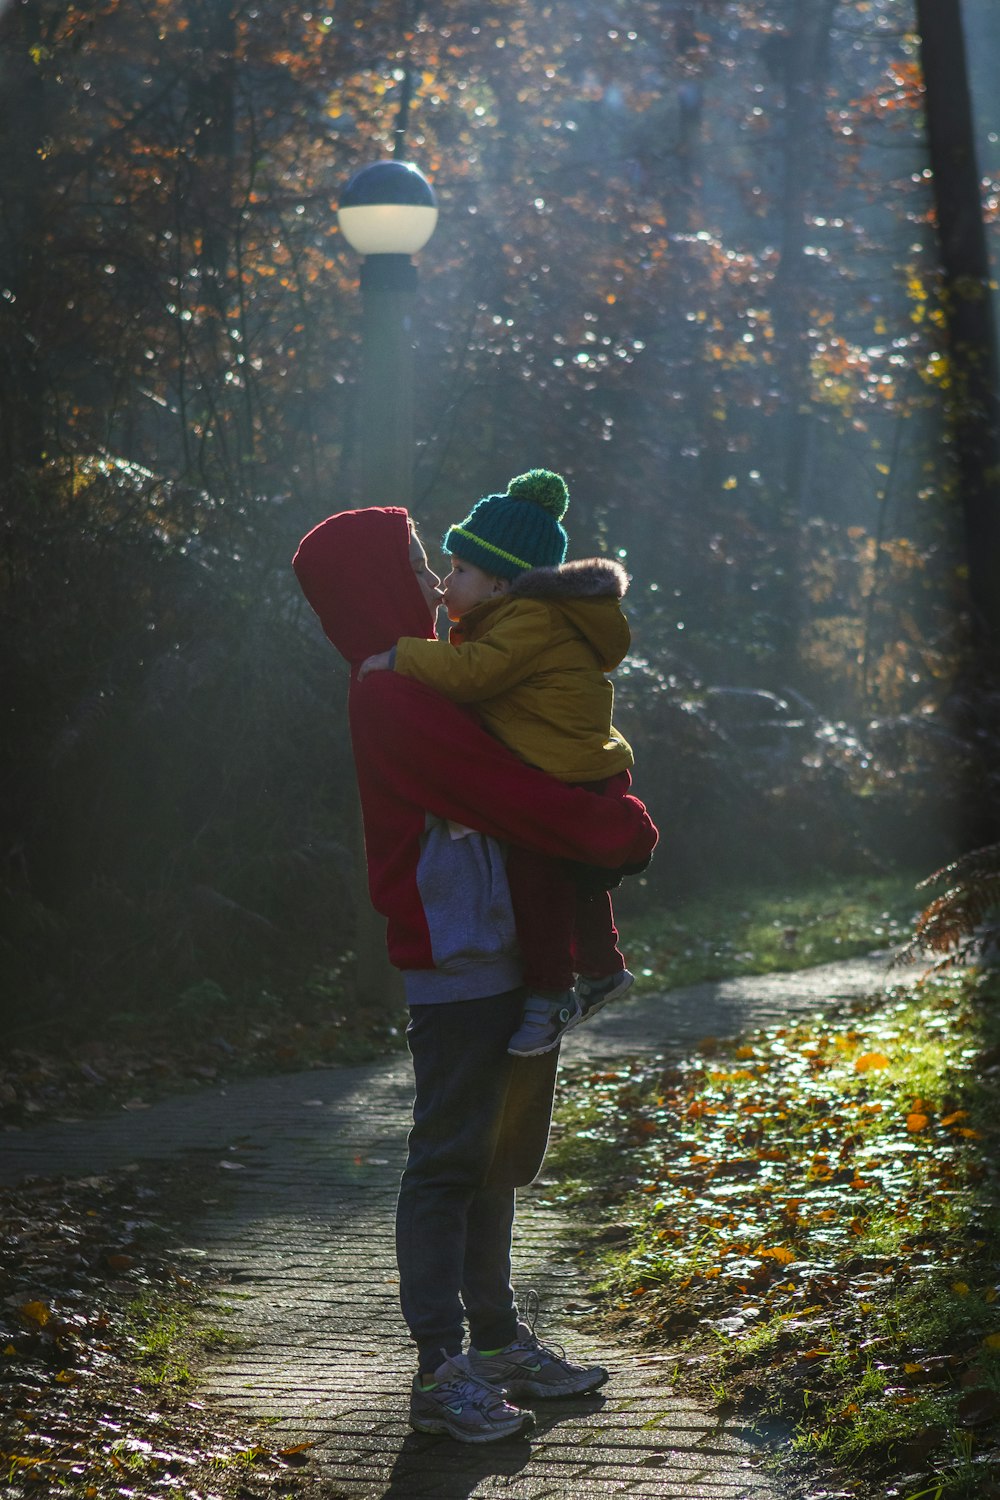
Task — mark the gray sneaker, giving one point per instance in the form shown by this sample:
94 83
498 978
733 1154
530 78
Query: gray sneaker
593 994
543 1024
528 1368
464 1405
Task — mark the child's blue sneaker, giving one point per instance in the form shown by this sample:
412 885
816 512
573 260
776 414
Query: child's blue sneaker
593 994
544 1022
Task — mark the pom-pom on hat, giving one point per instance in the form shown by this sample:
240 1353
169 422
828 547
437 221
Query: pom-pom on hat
507 534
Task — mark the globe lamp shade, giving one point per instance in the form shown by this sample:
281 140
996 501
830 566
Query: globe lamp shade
388 208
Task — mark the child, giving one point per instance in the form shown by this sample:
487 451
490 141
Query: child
531 642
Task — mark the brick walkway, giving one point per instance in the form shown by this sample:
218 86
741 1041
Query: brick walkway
302 1239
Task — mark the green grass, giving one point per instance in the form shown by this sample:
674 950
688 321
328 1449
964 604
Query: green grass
160 1329
751 931
815 1214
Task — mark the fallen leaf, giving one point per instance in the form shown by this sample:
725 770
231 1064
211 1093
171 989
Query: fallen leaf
38 1312
917 1122
977 1408
869 1060
780 1253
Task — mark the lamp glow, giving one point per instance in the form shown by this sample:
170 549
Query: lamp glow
388 209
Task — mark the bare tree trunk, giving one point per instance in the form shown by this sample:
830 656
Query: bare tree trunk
23 126
800 57
974 409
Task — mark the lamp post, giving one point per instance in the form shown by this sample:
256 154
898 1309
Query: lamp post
387 213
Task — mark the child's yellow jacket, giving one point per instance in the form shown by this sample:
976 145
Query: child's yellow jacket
533 661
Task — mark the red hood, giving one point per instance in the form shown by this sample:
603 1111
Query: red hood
354 568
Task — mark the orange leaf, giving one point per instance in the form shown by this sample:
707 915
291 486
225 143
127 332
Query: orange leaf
917 1122
869 1060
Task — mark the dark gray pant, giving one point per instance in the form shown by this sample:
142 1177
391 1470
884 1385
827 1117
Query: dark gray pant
480 1127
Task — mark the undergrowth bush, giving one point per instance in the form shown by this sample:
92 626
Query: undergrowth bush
178 772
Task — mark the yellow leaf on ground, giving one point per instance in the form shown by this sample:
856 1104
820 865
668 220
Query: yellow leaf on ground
960 1288
992 1341
780 1253
917 1122
37 1312
869 1060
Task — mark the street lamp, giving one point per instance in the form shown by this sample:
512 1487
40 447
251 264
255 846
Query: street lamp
387 213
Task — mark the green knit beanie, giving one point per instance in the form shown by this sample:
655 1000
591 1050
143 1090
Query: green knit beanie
507 534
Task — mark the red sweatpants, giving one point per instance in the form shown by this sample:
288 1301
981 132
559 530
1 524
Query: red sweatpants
561 930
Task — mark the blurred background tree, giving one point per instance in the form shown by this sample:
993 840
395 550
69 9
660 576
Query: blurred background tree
687 255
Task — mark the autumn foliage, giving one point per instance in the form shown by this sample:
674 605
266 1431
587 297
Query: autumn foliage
685 257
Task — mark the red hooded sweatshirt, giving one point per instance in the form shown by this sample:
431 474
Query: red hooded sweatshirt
421 759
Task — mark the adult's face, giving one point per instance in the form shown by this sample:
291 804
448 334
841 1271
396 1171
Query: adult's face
430 583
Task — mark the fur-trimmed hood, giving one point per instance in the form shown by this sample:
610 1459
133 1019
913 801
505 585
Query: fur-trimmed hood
583 597
585 578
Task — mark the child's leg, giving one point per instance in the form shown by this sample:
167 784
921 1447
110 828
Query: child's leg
544 902
595 937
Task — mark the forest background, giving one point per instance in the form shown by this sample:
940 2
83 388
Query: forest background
687 255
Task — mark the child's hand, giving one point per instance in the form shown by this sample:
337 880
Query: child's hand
380 663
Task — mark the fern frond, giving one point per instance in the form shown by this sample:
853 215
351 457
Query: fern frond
975 860
962 922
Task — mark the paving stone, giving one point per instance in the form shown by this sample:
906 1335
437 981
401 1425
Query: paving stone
303 1241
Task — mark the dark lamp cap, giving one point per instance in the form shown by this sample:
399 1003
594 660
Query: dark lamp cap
388 182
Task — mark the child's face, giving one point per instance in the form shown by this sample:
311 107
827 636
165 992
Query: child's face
466 586
430 583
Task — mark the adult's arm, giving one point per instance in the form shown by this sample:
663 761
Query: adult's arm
433 754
